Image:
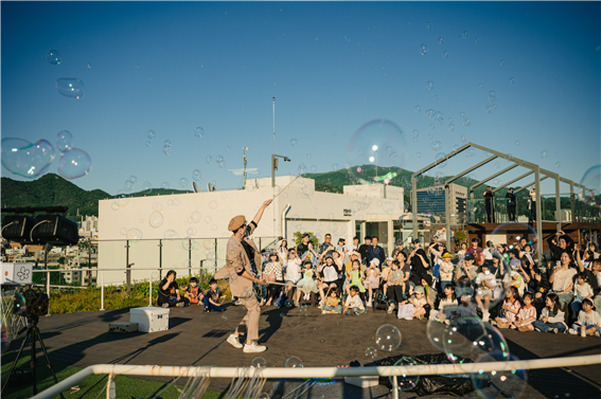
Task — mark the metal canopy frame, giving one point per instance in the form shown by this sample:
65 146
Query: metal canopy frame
532 169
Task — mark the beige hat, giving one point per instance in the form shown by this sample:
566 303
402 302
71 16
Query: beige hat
236 223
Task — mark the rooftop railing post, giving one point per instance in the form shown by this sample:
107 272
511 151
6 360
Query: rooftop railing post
128 267
160 260
189 257
101 289
215 253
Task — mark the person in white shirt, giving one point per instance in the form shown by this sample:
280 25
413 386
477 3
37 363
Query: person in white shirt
587 319
486 283
354 304
582 289
561 279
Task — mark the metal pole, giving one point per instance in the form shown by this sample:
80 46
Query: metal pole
215 255
189 257
572 203
160 259
557 205
150 289
414 205
447 208
127 267
101 289
273 153
539 222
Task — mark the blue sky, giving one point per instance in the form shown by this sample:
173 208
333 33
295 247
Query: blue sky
521 78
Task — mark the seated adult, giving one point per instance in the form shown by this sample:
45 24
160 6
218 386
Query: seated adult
169 292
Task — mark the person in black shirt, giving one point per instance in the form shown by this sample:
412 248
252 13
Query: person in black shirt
419 263
169 292
363 248
488 202
374 251
303 246
512 199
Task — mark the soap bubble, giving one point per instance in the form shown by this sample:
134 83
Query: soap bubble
388 337
25 159
169 234
151 134
371 140
258 363
220 161
53 57
417 108
423 49
499 384
429 85
134 234
196 175
64 140
406 382
293 142
74 163
199 132
436 145
557 164
184 182
167 147
155 219
492 96
70 87
371 353
459 332
544 154
592 177
293 362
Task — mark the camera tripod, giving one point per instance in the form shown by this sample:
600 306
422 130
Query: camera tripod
33 333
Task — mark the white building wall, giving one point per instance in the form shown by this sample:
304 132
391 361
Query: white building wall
173 220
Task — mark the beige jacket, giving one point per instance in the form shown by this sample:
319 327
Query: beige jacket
236 261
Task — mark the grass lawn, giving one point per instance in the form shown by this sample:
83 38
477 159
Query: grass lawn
92 387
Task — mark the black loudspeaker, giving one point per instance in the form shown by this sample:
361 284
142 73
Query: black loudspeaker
54 229
17 227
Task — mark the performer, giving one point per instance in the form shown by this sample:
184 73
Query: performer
511 204
489 204
241 264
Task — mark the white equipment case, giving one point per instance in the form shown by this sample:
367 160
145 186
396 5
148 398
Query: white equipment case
150 318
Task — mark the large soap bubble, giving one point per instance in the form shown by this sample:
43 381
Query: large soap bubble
74 163
26 159
499 384
53 57
293 362
70 87
460 333
64 140
388 337
374 148
592 181
406 382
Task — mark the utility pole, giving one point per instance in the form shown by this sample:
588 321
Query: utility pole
244 149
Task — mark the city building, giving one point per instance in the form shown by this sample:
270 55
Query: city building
431 200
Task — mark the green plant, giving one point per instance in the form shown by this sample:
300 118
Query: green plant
298 238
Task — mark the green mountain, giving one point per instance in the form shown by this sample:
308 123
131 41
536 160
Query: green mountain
53 190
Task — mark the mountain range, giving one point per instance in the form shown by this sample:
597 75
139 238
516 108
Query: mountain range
53 190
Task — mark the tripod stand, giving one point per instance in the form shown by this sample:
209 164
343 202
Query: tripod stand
33 333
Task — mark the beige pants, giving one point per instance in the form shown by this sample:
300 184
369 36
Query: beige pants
251 320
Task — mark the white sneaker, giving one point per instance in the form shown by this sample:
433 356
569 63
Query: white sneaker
369 304
390 308
572 331
254 348
233 341
485 316
408 318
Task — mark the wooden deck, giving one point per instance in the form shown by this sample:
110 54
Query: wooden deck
198 338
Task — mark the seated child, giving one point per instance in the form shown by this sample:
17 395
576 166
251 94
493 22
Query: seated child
211 299
527 314
587 319
415 307
486 283
169 292
307 284
552 318
353 303
510 308
582 289
450 299
194 294
332 304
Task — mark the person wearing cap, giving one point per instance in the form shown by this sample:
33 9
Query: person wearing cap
169 292
374 251
588 322
241 262
400 247
446 270
512 200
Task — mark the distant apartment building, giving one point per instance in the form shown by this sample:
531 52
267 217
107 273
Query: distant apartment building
431 200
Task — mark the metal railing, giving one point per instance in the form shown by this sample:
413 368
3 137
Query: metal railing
318 372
